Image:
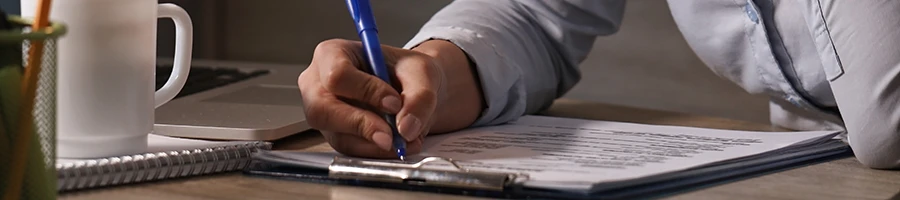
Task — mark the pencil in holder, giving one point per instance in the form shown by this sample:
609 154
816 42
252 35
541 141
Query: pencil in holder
38 179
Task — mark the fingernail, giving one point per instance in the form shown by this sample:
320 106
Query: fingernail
410 127
391 103
383 140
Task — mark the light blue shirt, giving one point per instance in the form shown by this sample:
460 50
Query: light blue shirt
527 54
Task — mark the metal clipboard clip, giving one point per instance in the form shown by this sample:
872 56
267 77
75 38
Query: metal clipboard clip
413 173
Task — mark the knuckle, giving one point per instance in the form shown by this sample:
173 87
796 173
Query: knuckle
301 82
330 44
427 96
303 79
335 76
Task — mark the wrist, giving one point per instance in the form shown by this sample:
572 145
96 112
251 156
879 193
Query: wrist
462 99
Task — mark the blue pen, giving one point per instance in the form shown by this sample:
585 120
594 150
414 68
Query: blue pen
368 33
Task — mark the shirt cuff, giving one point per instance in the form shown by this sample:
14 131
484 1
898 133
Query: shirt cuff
501 84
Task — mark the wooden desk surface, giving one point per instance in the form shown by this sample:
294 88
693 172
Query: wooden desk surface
839 179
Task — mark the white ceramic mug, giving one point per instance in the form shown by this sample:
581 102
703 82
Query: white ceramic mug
106 73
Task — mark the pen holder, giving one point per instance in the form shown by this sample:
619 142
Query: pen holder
28 174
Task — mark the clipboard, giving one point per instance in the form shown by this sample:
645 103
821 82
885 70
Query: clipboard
414 174
458 180
411 176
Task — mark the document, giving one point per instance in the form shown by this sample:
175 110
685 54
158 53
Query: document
587 156
576 154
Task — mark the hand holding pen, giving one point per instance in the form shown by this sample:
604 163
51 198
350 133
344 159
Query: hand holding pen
362 15
345 102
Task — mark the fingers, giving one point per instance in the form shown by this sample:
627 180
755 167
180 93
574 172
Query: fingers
339 98
326 113
417 75
339 75
358 147
421 81
340 117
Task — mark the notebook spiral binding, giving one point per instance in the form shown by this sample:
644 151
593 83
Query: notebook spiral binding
155 166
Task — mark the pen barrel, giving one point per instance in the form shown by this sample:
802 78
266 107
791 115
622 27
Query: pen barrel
361 12
375 56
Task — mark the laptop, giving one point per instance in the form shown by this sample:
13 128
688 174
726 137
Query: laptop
225 100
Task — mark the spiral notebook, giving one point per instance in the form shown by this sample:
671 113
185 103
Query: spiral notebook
166 158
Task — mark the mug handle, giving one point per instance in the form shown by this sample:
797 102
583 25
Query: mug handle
184 31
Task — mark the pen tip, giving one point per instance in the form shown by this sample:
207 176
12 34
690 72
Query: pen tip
402 154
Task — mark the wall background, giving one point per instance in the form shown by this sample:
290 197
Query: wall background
647 64
10 6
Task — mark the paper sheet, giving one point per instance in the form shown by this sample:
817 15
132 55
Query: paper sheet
160 143
578 153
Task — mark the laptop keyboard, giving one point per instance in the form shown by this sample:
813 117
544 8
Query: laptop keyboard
203 78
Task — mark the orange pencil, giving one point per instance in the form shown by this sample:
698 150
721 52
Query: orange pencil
29 87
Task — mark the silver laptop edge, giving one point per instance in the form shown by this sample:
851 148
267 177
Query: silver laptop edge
266 107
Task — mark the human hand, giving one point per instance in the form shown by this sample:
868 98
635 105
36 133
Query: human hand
345 103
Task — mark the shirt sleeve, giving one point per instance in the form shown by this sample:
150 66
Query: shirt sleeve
526 53
863 39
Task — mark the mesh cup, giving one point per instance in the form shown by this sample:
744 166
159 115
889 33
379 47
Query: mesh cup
44 111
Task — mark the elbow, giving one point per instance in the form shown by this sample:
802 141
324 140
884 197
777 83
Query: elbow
875 147
878 160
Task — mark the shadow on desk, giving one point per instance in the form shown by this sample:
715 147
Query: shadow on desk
896 196
310 140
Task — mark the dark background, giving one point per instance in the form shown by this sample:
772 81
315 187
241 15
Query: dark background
646 64
10 6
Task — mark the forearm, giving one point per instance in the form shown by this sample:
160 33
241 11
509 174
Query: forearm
524 53
461 101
